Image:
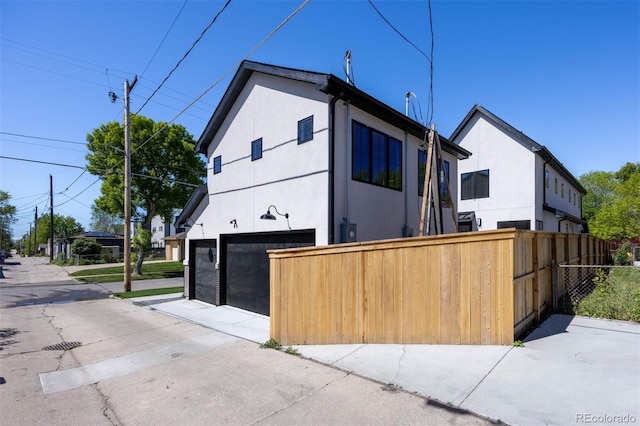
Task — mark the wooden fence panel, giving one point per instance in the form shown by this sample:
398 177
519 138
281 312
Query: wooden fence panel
468 288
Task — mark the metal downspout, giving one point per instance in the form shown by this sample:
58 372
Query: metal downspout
332 141
348 162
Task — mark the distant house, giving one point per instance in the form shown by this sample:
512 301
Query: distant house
112 244
299 158
513 181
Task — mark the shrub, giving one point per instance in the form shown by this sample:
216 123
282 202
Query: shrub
622 256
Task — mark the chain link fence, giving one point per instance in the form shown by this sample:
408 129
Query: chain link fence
604 291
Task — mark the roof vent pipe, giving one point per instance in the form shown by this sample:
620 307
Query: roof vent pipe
346 64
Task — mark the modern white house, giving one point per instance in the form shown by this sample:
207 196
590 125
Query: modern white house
511 181
161 228
298 158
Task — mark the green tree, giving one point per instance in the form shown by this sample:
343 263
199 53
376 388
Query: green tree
105 222
63 226
612 203
142 245
165 168
86 248
7 219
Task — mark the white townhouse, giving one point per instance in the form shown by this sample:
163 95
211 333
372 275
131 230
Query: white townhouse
299 158
511 181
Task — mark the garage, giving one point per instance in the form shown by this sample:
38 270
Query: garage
203 273
244 266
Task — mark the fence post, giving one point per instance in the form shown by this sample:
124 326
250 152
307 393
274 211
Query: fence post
554 284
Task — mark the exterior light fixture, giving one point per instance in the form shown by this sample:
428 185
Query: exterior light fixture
269 216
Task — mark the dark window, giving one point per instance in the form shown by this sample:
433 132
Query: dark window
539 225
217 165
546 178
442 180
305 130
377 158
422 166
475 185
256 149
518 224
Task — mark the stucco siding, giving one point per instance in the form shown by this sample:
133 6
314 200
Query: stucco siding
511 175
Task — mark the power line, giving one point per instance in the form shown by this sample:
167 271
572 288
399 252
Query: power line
42 138
53 72
41 162
165 37
229 71
186 54
398 32
40 144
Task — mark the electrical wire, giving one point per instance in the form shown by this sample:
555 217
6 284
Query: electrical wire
186 54
229 71
164 38
398 31
42 138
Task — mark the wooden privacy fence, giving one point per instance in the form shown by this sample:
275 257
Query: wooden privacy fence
467 288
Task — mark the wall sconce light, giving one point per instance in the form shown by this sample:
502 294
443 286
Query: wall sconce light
234 223
269 216
186 223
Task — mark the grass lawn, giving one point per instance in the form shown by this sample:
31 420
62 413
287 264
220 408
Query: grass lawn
616 296
150 292
150 271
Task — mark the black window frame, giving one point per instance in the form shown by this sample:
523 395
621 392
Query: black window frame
256 149
305 133
473 190
217 164
445 195
374 152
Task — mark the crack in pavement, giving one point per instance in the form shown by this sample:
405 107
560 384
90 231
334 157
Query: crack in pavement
404 352
107 410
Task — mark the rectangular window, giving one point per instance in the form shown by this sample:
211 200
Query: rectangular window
546 178
160 229
555 185
256 149
305 130
569 195
217 165
422 166
562 190
574 198
377 158
539 225
518 224
475 185
443 181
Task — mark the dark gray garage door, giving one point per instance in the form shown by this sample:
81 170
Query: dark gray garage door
203 270
244 266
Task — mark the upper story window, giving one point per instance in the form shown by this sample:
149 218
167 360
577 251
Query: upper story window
377 158
217 164
562 190
256 149
305 130
443 176
569 195
546 178
574 198
555 185
474 185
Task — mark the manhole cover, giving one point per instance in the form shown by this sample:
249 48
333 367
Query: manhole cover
64 346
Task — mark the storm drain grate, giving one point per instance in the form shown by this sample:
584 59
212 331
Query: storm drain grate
64 346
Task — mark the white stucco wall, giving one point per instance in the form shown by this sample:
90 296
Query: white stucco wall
290 176
511 175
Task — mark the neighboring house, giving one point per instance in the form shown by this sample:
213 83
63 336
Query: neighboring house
324 159
112 244
160 229
512 181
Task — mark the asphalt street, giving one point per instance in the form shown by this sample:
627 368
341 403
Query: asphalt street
126 363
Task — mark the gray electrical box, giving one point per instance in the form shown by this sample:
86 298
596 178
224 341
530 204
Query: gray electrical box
407 232
348 232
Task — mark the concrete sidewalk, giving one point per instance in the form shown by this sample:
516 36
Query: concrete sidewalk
571 370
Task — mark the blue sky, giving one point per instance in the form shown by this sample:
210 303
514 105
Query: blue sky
566 73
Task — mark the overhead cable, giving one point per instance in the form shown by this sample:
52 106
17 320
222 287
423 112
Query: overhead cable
185 55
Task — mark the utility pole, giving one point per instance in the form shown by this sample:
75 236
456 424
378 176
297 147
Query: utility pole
127 185
35 232
51 219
